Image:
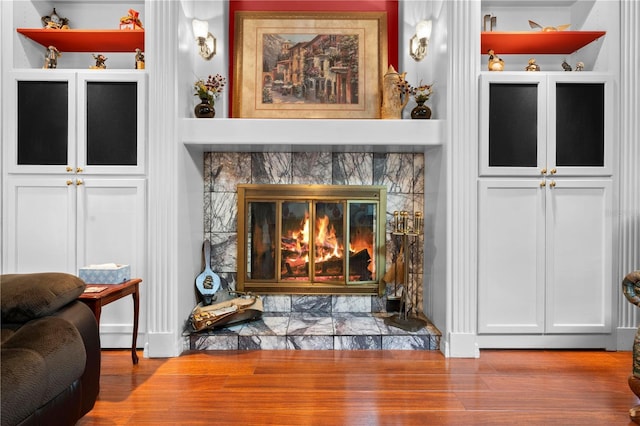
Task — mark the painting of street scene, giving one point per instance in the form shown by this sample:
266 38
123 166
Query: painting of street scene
310 68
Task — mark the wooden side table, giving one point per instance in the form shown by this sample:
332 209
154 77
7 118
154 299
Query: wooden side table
109 293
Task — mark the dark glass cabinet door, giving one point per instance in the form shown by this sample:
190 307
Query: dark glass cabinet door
580 124
111 123
42 124
513 125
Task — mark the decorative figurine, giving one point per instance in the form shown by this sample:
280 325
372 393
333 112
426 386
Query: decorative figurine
495 63
566 66
547 29
394 94
131 21
580 66
55 22
532 65
139 59
100 62
51 57
491 20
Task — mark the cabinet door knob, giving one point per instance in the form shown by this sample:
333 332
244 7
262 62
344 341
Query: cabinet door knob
552 184
69 182
543 183
69 169
79 170
79 182
554 171
543 171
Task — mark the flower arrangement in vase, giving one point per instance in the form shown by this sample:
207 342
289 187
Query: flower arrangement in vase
208 90
421 95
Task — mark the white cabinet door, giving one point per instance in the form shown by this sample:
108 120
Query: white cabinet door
111 228
40 224
579 256
511 256
111 221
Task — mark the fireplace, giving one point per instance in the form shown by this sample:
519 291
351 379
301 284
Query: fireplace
311 239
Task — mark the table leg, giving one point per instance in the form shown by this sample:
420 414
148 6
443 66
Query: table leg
136 309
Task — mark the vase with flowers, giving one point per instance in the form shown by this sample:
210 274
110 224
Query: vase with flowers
421 95
208 90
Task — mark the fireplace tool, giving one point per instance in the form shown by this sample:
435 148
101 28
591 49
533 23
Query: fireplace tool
397 269
405 319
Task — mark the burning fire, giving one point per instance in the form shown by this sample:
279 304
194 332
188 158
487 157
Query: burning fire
301 236
327 244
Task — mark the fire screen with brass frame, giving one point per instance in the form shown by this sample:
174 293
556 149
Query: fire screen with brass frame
311 239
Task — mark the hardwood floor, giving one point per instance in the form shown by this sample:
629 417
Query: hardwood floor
365 388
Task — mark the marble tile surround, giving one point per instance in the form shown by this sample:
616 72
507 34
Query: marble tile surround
312 322
401 173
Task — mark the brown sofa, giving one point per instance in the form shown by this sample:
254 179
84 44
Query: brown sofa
50 357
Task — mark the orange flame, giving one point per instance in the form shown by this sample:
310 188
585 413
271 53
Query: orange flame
327 244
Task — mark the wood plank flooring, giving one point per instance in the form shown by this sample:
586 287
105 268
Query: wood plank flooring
326 388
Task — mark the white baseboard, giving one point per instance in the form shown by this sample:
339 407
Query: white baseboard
163 345
116 336
461 345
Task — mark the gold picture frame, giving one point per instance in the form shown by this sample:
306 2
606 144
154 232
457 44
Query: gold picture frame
309 64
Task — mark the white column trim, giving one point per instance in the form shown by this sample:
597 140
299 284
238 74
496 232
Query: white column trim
462 123
161 45
629 172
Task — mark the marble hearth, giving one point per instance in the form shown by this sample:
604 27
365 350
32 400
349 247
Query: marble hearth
316 323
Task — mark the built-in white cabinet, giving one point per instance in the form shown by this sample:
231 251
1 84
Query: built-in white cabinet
545 202
74 181
544 256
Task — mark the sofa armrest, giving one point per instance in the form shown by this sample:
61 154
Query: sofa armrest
81 316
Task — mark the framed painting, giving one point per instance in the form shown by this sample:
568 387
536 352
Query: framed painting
309 63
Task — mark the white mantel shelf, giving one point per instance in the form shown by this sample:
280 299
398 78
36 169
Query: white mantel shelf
237 134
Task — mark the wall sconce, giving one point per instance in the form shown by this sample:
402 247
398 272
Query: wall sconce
420 40
206 40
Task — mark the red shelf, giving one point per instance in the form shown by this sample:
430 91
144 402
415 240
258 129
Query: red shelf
95 41
536 42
